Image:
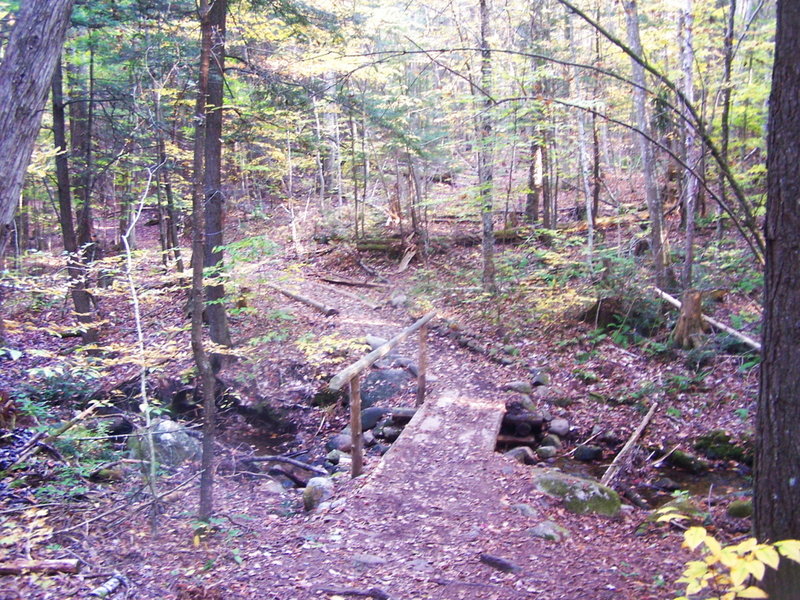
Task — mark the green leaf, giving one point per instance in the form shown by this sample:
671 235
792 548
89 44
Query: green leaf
752 592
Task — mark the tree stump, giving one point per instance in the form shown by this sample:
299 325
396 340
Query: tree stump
690 328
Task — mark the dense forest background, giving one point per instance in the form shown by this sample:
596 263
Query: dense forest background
548 176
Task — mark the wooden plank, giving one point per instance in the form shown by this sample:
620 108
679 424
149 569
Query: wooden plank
346 374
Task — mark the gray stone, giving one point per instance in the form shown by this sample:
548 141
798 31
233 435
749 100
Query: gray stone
522 454
369 439
270 486
398 300
173 444
390 433
580 495
539 377
551 439
414 370
521 403
588 453
560 427
395 361
545 452
317 490
342 441
526 510
334 456
370 416
521 387
367 561
548 530
382 385
375 341
552 393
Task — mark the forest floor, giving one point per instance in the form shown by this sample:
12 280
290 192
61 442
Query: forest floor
441 515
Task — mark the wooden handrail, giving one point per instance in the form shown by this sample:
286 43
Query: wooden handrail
364 363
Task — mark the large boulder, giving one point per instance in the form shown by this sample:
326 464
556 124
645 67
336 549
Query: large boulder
382 385
173 444
580 495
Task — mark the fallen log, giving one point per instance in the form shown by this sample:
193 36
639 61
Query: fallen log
339 280
50 566
365 301
515 440
713 322
326 310
288 461
615 467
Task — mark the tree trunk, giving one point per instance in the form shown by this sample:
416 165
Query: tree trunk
485 160
213 28
777 489
75 267
727 63
654 207
693 151
25 75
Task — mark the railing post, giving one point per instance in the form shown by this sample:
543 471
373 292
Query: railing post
423 364
357 464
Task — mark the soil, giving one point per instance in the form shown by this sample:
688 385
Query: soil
440 515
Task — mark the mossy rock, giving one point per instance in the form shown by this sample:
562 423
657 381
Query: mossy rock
581 496
740 509
717 445
687 462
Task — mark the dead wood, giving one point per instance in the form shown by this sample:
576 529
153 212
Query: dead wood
615 467
501 564
109 587
370 271
61 565
689 329
288 461
376 593
339 280
713 322
326 310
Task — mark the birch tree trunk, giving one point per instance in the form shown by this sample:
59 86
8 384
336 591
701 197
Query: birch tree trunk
657 238
485 149
693 151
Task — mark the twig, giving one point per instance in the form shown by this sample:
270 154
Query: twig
616 465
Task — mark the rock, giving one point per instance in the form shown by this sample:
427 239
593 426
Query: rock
381 449
666 484
521 387
342 442
588 453
687 462
539 377
522 454
391 433
526 510
560 427
580 495
317 490
545 452
367 561
369 439
553 394
522 403
374 341
382 385
398 300
414 370
548 530
717 445
501 564
173 444
270 486
394 361
740 509
334 456
370 416
551 439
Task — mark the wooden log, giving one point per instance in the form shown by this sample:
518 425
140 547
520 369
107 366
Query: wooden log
288 461
515 440
402 415
60 565
338 280
713 322
615 467
356 440
346 374
326 310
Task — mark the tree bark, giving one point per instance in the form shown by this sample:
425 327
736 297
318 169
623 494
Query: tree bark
213 30
777 472
693 151
25 75
657 241
485 160
75 266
